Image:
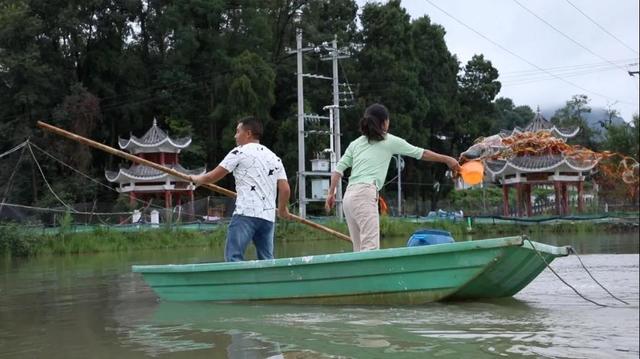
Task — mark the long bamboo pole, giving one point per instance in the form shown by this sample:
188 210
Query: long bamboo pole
171 172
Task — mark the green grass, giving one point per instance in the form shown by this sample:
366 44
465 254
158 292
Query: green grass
17 243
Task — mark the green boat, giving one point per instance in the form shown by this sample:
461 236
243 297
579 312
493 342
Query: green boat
490 268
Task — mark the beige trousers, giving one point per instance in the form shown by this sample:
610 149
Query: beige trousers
361 211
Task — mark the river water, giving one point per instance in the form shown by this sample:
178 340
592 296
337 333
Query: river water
92 306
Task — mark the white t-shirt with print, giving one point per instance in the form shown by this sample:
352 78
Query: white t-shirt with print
257 171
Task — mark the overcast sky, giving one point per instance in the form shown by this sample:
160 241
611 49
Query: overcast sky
528 52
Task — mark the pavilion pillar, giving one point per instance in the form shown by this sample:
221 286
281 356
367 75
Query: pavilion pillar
558 192
519 199
505 200
132 198
192 207
565 200
528 199
580 196
179 204
167 199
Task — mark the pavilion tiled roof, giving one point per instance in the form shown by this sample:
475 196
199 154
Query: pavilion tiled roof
140 173
154 140
543 163
539 123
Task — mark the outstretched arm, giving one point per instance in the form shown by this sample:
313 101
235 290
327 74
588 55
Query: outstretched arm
212 176
284 192
331 196
453 164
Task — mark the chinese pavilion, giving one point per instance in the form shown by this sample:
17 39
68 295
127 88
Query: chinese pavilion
524 172
146 183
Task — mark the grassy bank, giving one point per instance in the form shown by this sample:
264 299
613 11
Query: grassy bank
14 242
18 243
390 227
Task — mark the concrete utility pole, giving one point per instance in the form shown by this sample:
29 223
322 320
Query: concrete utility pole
335 132
399 167
333 120
335 144
301 164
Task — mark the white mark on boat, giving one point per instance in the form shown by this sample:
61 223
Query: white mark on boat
307 259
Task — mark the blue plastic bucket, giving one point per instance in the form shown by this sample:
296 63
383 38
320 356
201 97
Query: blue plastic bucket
425 237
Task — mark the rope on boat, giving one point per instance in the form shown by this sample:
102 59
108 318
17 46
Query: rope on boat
571 250
28 145
70 167
145 203
47 182
526 238
10 181
55 210
14 149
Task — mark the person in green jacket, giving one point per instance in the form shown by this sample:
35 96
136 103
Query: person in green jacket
369 156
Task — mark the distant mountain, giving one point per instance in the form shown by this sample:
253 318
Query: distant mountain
595 119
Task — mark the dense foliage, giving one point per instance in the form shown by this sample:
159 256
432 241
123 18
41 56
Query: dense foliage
105 69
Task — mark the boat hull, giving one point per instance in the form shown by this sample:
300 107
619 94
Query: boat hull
464 270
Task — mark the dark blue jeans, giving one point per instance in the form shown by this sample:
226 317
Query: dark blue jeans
243 230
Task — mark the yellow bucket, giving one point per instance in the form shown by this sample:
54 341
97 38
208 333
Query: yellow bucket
472 172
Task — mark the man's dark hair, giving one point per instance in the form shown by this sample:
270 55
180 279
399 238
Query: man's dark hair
252 124
372 122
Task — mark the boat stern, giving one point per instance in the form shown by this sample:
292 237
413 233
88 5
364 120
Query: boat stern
511 270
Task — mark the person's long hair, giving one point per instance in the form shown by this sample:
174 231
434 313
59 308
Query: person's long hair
372 122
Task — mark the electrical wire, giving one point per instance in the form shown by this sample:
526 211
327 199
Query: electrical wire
602 28
566 36
522 58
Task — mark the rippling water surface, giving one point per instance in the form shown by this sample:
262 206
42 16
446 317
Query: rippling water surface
94 307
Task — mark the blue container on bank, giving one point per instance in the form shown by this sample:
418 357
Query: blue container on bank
425 237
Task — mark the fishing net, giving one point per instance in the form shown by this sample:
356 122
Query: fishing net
544 143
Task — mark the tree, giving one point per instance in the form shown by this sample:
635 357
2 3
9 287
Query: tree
510 116
80 114
27 80
106 68
623 138
395 80
433 118
478 88
572 115
251 92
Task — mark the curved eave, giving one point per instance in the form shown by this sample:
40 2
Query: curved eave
134 143
554 130
511 168
563 133
125 176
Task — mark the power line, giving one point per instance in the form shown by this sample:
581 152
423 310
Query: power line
565 35
522 58
564 73
543 77
571 67
602 28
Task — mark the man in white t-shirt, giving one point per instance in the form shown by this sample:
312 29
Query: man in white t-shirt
260 176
